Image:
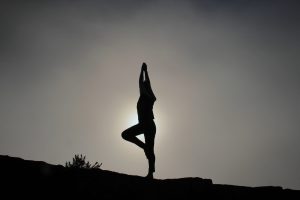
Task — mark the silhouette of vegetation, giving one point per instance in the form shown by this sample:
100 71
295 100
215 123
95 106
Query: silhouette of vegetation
79 162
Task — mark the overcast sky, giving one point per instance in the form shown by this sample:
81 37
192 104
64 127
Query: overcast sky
226 77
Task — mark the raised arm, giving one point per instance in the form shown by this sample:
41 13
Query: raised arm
145 86
147 76
149 89
141 79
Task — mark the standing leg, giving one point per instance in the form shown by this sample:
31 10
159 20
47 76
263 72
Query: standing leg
149 148
131 133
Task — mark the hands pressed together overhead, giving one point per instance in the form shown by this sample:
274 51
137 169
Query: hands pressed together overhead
144 67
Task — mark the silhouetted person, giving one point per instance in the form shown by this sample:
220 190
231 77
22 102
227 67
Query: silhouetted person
146 124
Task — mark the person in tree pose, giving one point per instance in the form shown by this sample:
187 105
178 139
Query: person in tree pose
146 123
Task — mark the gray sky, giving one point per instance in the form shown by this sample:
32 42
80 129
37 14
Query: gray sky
226 77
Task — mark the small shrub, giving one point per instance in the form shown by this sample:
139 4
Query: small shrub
79 162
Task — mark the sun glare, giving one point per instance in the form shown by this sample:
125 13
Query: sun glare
133 120
130 119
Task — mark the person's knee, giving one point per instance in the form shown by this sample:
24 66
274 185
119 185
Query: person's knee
125 136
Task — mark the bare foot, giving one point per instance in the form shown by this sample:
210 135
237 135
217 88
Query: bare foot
149 176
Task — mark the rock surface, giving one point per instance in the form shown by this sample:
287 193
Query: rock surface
36 179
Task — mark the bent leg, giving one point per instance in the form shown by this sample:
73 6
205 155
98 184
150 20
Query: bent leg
131 133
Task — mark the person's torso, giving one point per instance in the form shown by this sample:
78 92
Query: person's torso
145 108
